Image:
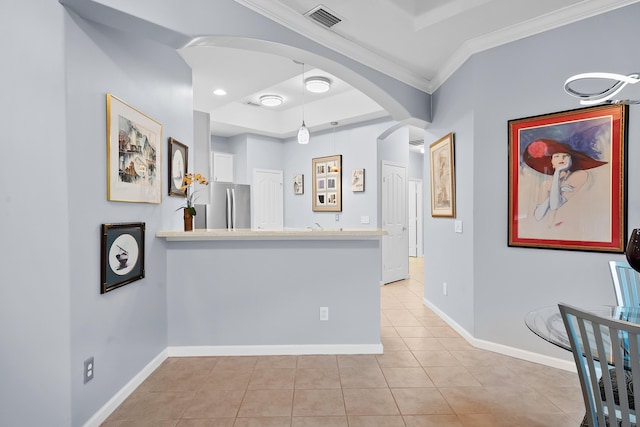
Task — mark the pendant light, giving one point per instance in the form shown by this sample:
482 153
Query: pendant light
303 132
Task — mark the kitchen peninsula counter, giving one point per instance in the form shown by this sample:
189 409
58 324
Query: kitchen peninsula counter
284 234
261 292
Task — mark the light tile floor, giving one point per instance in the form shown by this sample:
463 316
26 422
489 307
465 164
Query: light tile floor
427 376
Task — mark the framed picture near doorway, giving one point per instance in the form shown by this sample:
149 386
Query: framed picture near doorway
357 180
443 190
567 179
327 184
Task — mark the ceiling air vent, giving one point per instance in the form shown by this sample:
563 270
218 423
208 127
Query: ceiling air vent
323 16
417 142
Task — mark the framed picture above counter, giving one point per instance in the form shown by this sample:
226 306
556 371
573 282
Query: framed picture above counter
178 161
327 184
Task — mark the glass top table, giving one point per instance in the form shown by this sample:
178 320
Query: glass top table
547 323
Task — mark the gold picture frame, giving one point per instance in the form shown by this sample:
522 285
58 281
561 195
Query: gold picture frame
443 190
134 154
327 183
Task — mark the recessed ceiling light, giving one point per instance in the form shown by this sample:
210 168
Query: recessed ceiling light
220 92
317 84
270 100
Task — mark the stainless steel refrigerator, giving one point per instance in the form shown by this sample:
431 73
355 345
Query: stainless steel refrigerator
229 206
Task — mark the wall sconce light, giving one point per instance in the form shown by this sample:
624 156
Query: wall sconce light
270 100
317 84
593 98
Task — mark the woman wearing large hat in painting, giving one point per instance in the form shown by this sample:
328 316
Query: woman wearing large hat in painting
567 168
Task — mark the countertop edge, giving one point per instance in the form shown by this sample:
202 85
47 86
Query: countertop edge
248 234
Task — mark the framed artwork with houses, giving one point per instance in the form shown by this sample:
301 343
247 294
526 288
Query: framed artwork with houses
133 154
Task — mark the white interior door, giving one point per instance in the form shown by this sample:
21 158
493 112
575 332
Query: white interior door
268 210
415 218
395 244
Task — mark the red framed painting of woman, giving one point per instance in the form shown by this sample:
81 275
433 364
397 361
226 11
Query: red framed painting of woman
567 180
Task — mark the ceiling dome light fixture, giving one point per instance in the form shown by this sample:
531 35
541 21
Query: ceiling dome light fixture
303 132
271 100
317 84
220 92
593 98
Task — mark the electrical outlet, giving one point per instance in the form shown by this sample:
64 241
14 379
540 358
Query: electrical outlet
445 288
88 370
324 313
337 217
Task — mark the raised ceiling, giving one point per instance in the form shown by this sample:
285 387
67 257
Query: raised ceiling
419 42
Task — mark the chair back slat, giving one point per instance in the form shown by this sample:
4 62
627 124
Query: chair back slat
607 356
626 283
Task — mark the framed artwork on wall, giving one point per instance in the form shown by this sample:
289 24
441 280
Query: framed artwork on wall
133 154
178 162
443 190
298 184
567 180
357 180
121 254
327 184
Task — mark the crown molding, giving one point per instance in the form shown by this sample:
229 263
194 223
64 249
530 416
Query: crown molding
550 21
294 21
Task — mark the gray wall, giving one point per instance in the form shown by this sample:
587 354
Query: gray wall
357 145
492 286
126 328
55 117
50 309
416 164
263 153
35 291
201 147
218 301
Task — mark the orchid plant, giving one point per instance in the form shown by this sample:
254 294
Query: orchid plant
188 186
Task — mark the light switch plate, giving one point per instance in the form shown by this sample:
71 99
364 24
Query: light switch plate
457 226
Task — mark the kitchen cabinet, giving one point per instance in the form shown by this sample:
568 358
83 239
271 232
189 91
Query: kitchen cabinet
222 167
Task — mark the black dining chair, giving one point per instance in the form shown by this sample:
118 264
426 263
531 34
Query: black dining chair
607 356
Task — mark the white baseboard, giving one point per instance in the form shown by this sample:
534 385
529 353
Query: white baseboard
503 349
282 350
273 350
106 410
